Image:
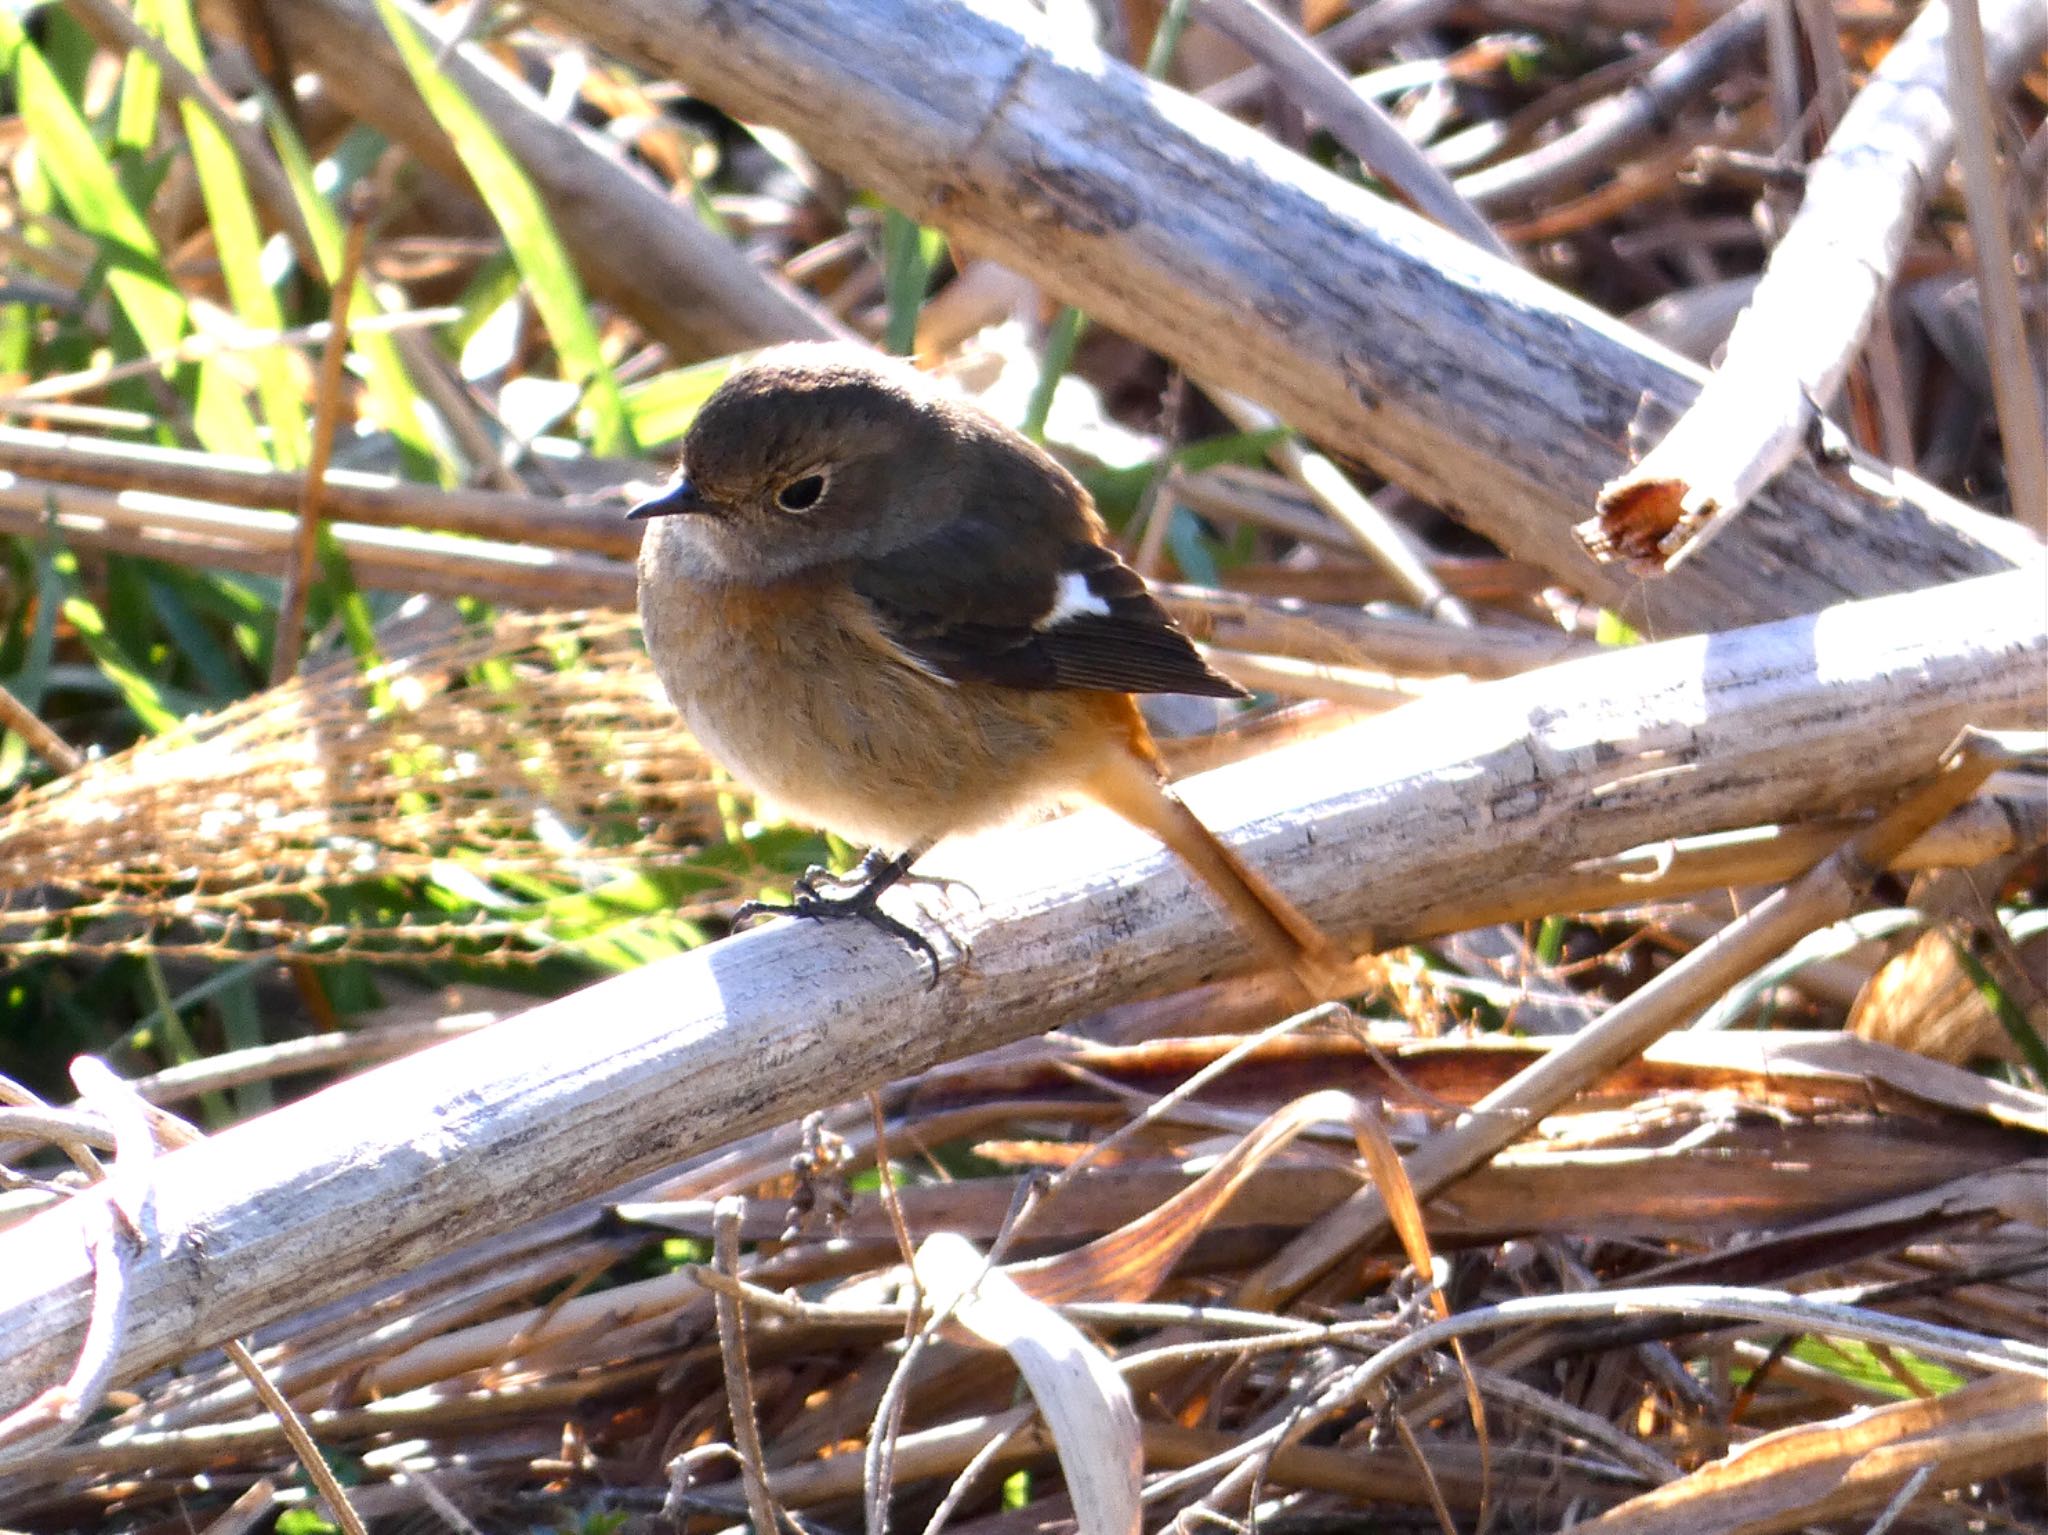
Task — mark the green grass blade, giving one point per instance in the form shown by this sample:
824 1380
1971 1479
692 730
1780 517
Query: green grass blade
241 1028
495 284
28 683
221 417
393 399
1166 39
205 658
87 184
662 407
348 604
909 252
178 1045
142 89
238 239
510 195
141 695
2010 1014
1060 342
67 46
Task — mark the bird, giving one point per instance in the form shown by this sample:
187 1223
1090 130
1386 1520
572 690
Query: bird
899 619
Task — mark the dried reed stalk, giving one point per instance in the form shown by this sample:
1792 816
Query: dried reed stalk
1463 380
1793 346
1370 829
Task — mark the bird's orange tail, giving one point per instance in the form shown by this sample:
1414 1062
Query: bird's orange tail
1133 788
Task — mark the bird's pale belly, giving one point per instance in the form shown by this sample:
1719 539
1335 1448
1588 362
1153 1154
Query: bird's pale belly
790 689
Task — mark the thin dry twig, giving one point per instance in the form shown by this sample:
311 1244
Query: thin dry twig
1347 636
1384 539
739 1380
290 642
352 496
300 1437
1354 119
1616 128
42 740
1377 26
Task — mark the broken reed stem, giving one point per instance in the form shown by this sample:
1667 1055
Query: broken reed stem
1876 385
291 614
1794 344
1824 894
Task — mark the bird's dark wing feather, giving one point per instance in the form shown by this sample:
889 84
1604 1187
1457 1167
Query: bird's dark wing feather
976 602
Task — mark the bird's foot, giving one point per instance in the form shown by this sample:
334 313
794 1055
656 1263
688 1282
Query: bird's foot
863 889
876 869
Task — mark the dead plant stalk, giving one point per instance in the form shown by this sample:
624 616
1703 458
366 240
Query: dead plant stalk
1370 828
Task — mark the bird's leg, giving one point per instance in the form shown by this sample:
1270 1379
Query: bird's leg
871 868
875 865
876 873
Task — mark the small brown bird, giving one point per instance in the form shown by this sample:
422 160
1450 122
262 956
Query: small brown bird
898 619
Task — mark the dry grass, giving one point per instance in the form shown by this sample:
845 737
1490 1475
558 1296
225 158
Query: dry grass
1781 1278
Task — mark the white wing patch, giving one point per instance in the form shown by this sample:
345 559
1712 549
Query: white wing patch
1072 600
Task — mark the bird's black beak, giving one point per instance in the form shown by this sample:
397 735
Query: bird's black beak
676 497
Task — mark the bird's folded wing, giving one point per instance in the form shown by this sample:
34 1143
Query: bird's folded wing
1068 615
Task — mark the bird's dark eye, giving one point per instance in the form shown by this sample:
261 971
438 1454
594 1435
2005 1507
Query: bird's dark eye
801 495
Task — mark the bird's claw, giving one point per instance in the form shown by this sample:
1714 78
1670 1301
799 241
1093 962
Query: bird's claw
942 882
861 904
